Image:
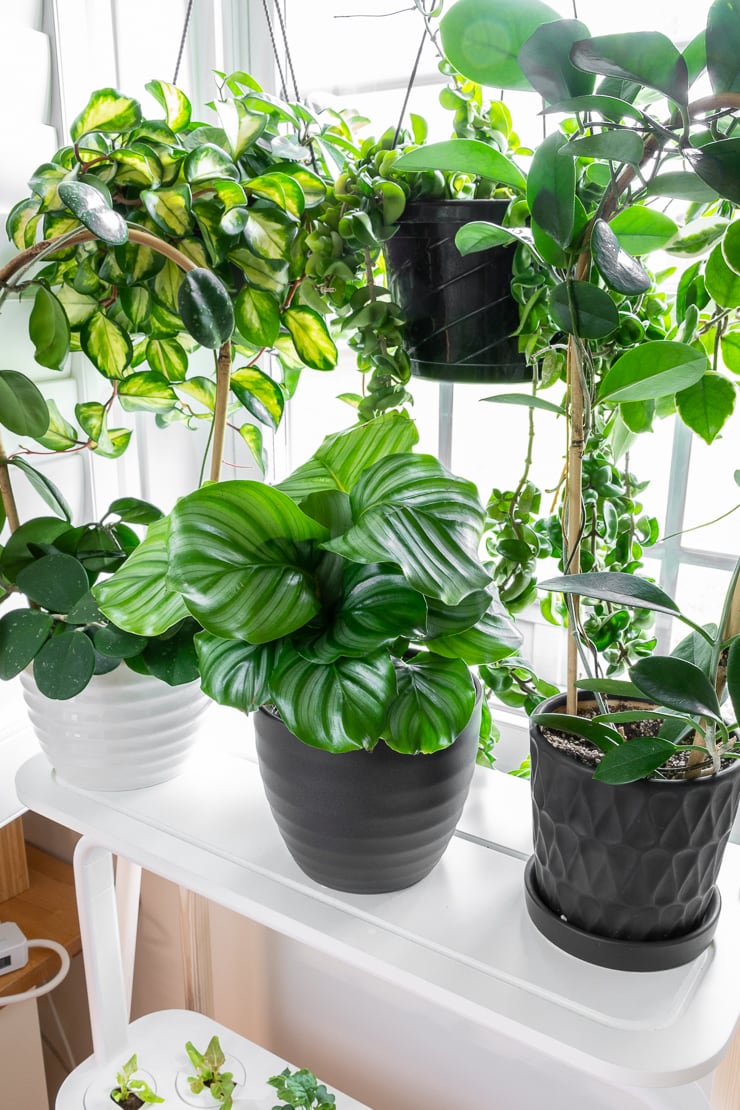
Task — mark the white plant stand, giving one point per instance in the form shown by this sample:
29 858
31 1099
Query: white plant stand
460 941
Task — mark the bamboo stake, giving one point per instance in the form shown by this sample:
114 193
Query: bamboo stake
573 486
223 377
6 491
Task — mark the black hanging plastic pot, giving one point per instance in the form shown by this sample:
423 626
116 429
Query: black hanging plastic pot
366 822
459 315
624 876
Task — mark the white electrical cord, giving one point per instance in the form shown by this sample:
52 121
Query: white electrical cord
36 992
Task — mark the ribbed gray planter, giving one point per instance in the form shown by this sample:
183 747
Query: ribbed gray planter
365 822
624 876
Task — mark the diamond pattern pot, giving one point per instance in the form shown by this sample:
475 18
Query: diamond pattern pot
625 875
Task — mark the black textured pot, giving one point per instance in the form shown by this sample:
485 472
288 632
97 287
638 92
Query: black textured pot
458 311
365 822
624 876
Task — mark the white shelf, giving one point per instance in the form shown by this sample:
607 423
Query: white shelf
159 1043
461 939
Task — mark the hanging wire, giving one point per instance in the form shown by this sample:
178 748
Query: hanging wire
183 37
275 51
287 51
410 85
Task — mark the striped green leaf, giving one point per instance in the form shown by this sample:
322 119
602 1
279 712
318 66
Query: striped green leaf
336 706
208 161
169 208
147 391
176 105
280 188
342 457
409 509
492 638
234 546
234 673
242 127
434 703
269 230
168 358
137 598
257 315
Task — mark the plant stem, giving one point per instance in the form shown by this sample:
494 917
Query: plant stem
223 377
6 492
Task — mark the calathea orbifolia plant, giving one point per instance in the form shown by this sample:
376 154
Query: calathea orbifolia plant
351 595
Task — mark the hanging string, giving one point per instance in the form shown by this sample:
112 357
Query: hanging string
183 37
275 52
410 85
287 51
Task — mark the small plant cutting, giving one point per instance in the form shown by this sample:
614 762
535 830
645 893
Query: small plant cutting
130 1092
301 1090
208 1074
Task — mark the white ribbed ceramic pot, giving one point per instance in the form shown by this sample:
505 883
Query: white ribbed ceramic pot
122 732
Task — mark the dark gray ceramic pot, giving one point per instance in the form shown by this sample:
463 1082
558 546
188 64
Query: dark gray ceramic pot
365 822
625 876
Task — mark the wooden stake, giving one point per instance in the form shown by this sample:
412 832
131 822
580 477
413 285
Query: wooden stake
223 376
574 482
13 863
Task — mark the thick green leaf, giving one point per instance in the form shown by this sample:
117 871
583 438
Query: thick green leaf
677 684
611 107
718 165
409 509
107 111
135 300
170 209
48 328
343 456
171 658
22 222
601 735
596 314
733 676
252 436
270 274
647 57
23 410
47 490
615 686
551 190
528 400
311 338
234 673
116 643
479 235
723 46
681 186
242 127
611 146
17 552
137 598
107 345
434 703
619 269
651 370
205 307
707 405
259 394
257 315
545 60
134 511
722 283
638 415
482 40
22 632
137 165
617 586
641 230
731 246
64 665
337 706
469 156
173 100
90 207
492 638
146 391
55 582
208 161
168 358
269 231
637 759
238 556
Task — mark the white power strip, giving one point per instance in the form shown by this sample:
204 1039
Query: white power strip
13 948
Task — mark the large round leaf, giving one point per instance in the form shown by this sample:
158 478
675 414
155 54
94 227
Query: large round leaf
55 582
107 111
641 230
493 637
137 597
609 146
647 57
64 665
676 684
596 314
551 187
651 370
483 40
409 509
22 632
23 410
723 46
205 307
434 702
707 405
469 156
718 165
338 706
545 60
240 558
